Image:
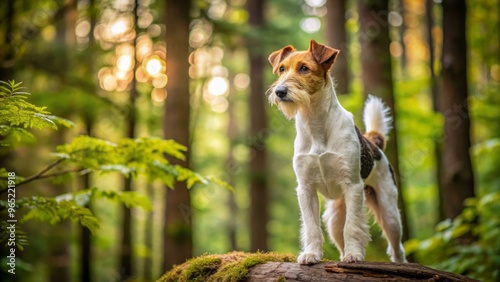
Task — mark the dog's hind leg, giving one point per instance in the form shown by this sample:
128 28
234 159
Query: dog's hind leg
356 231
334 219
382 200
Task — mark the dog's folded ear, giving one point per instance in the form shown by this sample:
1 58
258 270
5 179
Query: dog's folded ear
324 55
278 56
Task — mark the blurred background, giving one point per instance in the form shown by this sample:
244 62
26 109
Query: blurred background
196 71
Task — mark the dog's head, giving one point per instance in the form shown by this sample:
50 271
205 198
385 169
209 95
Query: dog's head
302 75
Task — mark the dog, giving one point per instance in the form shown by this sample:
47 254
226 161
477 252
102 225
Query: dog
332 157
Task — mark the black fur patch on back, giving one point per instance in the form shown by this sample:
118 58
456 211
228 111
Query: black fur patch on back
392 174
369 153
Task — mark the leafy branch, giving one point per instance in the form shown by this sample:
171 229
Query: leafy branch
130 157
17 114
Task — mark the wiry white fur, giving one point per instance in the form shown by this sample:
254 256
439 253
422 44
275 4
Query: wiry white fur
327 160
377 116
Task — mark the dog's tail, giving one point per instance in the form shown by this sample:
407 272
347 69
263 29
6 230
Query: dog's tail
377 119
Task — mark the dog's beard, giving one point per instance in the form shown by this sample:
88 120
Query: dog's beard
296 101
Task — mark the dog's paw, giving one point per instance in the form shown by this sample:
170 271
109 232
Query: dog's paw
309 258
352 257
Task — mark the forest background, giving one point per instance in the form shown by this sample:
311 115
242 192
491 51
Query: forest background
196 72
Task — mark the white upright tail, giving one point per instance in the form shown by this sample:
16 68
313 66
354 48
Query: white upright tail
377 116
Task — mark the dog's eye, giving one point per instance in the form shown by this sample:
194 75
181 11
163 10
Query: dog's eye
282 69
303 69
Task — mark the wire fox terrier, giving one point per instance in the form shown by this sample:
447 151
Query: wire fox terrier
332 156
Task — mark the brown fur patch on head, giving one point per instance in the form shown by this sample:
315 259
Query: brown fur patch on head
278 56
377 139
324 55
302 72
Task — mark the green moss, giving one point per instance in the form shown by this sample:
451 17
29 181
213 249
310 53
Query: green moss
231 267
280 279
200 269
238 270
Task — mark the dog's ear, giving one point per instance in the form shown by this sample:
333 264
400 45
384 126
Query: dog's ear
324 55
277 56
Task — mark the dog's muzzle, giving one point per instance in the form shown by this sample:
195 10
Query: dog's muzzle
281 92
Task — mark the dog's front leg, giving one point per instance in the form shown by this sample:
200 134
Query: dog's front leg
311 235
356 231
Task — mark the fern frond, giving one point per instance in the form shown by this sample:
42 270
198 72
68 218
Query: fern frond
16 112
52 210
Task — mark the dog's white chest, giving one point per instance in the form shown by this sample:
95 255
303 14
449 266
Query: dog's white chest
322 171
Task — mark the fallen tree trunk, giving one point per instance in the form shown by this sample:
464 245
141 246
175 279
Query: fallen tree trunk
361 271
273 267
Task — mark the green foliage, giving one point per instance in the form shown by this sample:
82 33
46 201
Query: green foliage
229 267
447 251
17 114
72 206
131 157
21 238
53 210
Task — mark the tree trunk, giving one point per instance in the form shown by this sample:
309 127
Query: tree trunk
337 38
273 267
361 271
126 248
458 178
401 31
258 125
149 236
60 263
435 104
7 51
232 134
377 76
86 236
178 244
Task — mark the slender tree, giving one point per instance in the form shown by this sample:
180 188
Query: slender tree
435 103
126 254
258 125
6 49
86 179
178 244
232 134
458 178
377 74
337 37
59 266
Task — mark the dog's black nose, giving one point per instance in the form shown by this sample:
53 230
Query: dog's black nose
281 91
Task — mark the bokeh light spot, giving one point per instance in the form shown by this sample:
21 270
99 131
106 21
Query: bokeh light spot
218 86
82 29
154 66
160 81
310 25
158 95
241 81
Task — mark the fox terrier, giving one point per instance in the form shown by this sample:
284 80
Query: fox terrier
333 157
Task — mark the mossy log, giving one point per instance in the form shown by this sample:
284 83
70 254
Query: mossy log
275 267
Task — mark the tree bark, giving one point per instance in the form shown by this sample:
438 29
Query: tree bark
232 134
126 248
458 178
337 38
377 76
86 180
178 228
275 267
361 271
258 126
429 17
7 51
